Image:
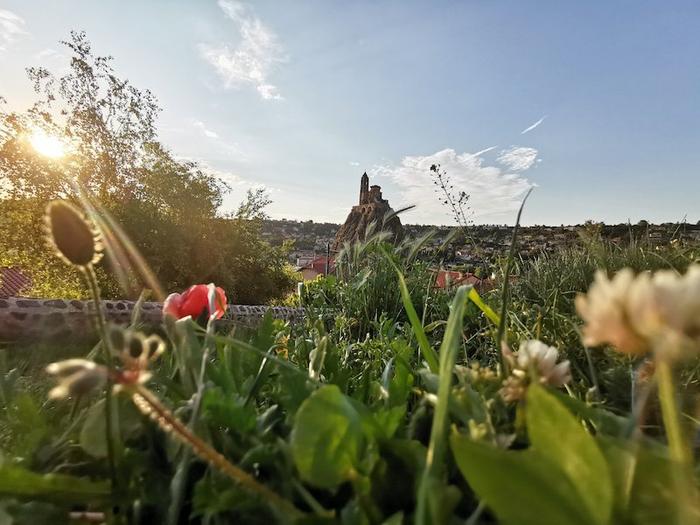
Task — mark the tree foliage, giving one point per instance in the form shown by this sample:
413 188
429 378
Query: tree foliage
169 208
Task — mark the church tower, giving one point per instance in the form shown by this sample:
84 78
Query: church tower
364 189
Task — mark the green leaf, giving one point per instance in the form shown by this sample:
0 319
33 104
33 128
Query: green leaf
603 420
559 435
16 482
394 519
27 422
93 434
387 420
523 487
228 412
328 439
643 479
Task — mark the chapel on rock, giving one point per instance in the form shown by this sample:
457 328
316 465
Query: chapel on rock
371 208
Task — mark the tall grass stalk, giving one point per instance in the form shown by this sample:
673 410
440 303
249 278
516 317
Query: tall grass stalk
506 284
435 466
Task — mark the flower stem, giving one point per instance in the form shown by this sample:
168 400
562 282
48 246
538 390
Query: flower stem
671 414
679 451
102 329
151 405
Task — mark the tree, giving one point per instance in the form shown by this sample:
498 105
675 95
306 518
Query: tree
170 209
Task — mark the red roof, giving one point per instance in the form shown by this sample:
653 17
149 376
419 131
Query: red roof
448 278
13 282
319 265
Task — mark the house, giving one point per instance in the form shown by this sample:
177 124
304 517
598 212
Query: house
316 267
13 282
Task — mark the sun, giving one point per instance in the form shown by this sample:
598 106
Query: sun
47 145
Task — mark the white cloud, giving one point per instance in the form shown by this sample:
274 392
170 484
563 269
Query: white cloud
533 126
518 158
204 130
354 164
255 57
11 28
494 194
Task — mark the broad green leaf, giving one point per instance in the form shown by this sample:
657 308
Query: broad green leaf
328 439
520 487
126 421
643 479
92 434
603 420
16 482
559 435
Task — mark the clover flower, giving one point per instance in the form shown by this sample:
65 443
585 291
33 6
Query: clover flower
605 311
76 377
533 362
635 314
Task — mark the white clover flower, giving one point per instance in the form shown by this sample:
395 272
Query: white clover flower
533 362
635 313
605 312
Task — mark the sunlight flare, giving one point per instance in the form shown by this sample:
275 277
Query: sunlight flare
47 145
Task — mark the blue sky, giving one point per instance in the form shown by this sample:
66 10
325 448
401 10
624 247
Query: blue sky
302 97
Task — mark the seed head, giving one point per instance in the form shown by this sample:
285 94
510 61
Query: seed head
135 352
76 377
72 235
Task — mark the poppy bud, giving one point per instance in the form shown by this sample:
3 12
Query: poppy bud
75 239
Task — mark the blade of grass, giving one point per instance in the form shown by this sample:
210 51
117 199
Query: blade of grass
506 281
427 351
474 297
435 461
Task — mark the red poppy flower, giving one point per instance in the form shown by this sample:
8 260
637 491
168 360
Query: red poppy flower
194 301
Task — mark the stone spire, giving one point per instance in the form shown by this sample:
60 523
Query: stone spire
364 189
372 208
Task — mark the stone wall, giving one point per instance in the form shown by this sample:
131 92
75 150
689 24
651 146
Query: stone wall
64 319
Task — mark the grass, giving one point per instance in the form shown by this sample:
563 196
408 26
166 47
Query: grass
383 406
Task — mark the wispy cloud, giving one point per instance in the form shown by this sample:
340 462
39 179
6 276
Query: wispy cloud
11 28
518 158
49 54
533 126
254 58
214 142
354 164
495 193
204 130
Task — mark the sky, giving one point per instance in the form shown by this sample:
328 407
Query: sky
595 105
